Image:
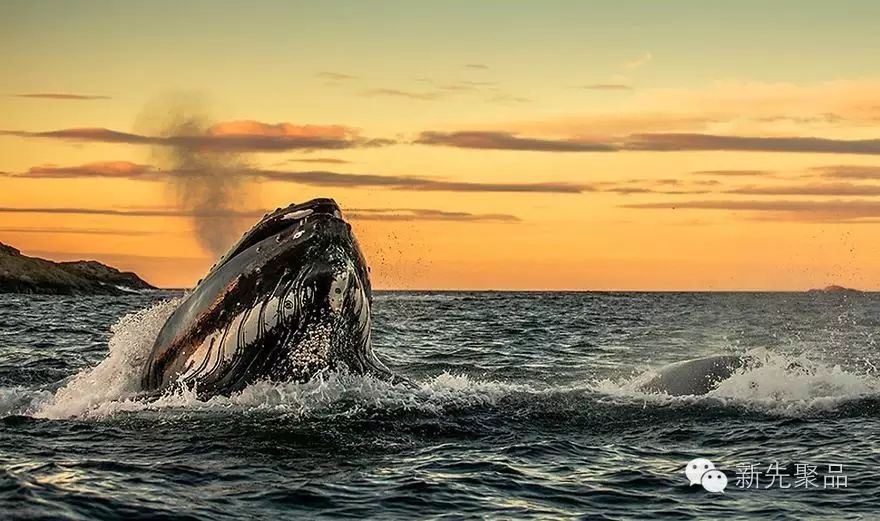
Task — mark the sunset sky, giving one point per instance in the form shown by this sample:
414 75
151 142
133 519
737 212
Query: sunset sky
474 145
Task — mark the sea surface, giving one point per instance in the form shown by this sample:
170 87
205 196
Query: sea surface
525 406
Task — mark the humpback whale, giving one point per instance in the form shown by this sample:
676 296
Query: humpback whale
693 377
290 299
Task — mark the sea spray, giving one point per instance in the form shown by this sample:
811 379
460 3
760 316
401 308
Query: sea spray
117 376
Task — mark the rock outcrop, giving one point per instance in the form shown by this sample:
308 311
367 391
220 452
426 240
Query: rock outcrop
22 274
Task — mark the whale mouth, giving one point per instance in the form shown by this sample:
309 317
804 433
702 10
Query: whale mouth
281 222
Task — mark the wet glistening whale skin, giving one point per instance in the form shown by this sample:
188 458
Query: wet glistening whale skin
290 299
694 377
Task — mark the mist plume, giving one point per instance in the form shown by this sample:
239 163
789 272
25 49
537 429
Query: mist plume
215 186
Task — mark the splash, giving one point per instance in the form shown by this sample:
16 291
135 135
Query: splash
112 386
776 383
779 384
117 377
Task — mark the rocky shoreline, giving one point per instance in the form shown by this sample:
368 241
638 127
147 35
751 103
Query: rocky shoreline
22 274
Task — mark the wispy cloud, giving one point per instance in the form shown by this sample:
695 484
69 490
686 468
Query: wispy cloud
327 160
488 91
109 169
476 66
139 212
231 136
653 142
606 86
129 170
362 214
812 211
61 96
654 186
80 231
335 76
688 142
507 99
843 108
507 141
422 214
337 179
868 172
638 62
398 93
734 173
815 189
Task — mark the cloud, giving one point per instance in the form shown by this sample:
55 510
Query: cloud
140 212
336 179
826 189
652 186
80 231
666 142
606 86
249 127
129 170
335 76
654 142
110 169
507 99
421 214
839 109
329 160
605 127
476 66
848 171
363 214
231 136
735 173
507 141
814 211
630 190
397 93
638 62
488 90
61 96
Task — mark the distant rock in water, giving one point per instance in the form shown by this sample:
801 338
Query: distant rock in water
834 289
22 274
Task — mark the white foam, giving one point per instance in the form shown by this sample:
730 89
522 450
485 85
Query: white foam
112 386
783 384
117 377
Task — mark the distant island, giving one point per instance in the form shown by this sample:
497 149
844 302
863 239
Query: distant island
22 274
834 289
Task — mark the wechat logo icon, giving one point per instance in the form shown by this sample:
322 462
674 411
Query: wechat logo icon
700 471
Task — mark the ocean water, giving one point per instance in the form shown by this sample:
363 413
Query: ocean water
525 406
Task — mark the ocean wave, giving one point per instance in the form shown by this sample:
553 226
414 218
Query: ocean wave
779 385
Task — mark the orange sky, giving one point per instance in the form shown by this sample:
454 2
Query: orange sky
560 145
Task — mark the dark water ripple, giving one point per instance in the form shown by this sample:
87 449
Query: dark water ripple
533 421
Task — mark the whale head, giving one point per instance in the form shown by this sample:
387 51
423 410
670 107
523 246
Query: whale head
291 298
